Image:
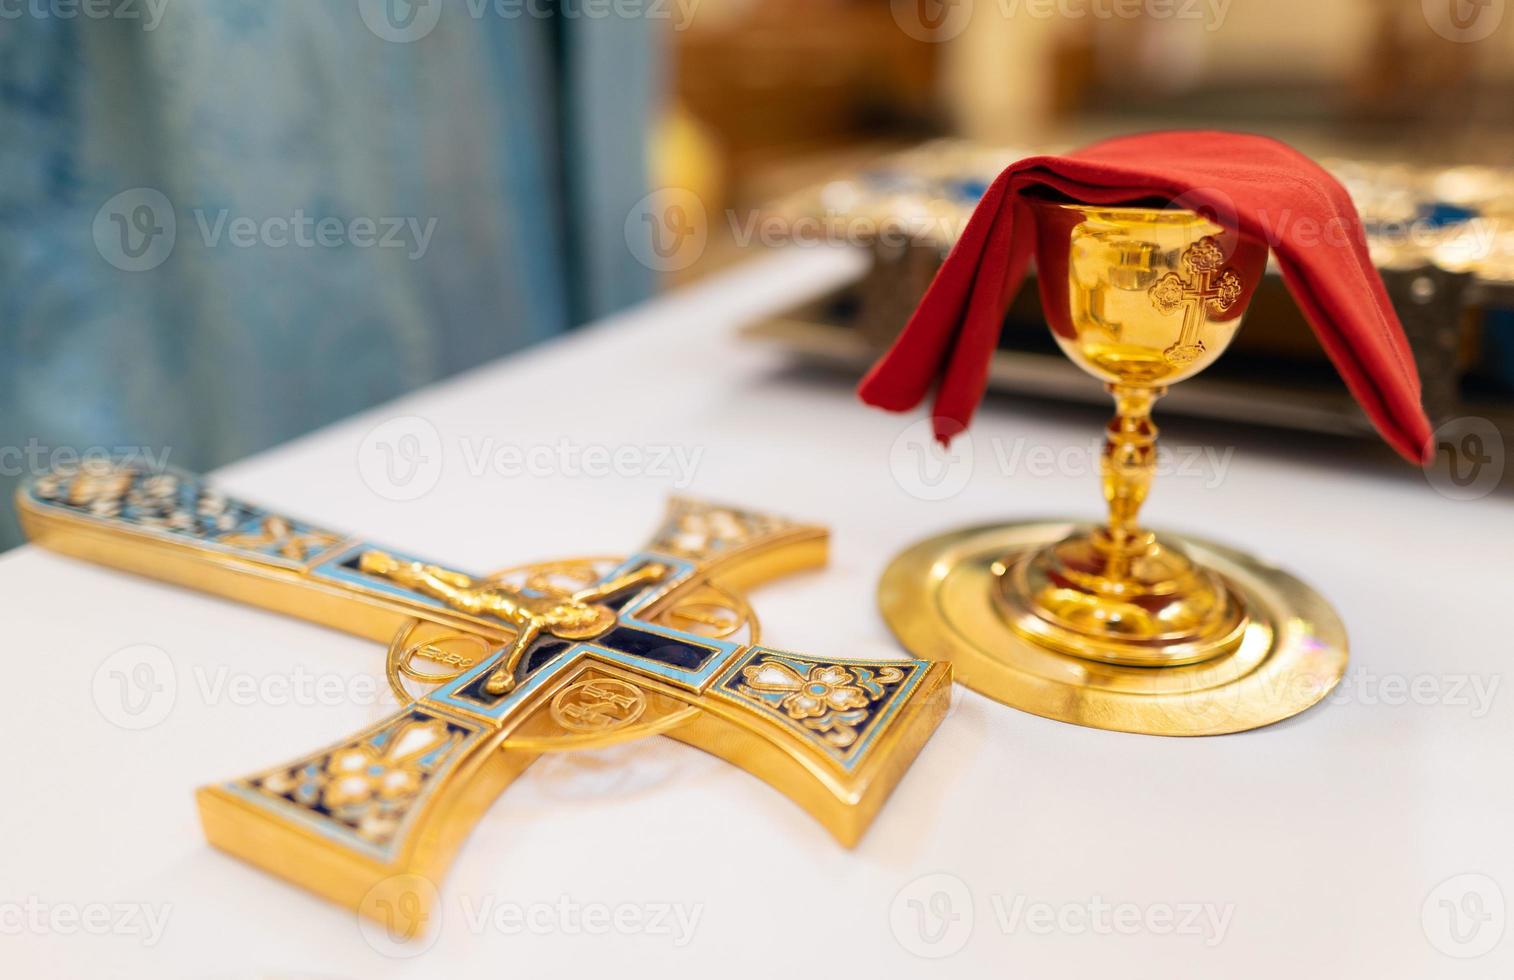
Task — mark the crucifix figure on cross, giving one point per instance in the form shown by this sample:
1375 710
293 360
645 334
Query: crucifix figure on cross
550 657
581 616
1209 289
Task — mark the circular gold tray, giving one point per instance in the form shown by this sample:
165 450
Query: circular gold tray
937 597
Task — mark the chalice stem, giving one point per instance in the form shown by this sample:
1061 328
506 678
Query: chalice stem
1127 466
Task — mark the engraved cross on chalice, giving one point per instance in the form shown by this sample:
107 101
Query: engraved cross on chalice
1208 287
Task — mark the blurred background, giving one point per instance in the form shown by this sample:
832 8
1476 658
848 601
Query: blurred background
224 223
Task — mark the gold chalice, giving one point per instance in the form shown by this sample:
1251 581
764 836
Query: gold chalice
1115 626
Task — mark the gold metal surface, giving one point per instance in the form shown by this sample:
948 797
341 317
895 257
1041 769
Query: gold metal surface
579 616
940 598
495 670
1141 299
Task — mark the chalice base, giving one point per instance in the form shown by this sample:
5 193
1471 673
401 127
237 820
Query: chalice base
1141 603
1272 649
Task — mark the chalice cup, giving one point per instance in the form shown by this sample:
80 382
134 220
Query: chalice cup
1114 625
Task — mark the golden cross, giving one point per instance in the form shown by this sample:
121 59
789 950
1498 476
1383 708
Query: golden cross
547 658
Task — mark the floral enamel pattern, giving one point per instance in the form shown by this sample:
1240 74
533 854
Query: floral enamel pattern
171 502
370 785
837 703
697 530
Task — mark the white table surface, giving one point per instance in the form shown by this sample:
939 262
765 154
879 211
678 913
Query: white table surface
1021 847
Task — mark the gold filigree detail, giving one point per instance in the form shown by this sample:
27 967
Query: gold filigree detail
277 535
367 786
709 611
598 706
697 530
830 699
580 616
826 688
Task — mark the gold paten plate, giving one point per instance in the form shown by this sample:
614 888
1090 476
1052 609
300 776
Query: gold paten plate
937 597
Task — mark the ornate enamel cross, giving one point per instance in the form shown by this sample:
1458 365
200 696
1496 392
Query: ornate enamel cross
1209 288
548 657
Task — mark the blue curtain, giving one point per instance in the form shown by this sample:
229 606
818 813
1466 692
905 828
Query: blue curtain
227 222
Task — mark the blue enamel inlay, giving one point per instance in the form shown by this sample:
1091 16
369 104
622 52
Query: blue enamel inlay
452 694
339 568
306 808
868 721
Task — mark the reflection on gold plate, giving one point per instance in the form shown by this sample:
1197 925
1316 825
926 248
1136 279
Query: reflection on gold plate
943 599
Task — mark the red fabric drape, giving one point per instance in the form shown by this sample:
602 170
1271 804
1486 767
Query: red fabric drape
1266 189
